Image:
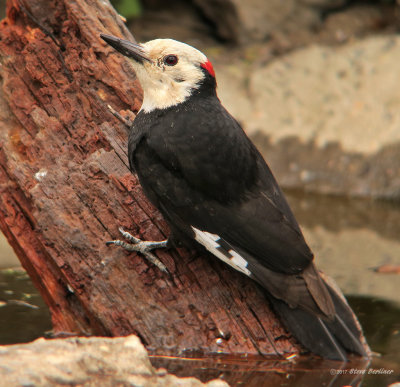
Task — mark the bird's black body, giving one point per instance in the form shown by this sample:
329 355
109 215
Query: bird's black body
197 166
211 184
200 170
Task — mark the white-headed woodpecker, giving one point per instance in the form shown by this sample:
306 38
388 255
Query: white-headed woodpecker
198 167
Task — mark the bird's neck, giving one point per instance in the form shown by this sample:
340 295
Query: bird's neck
164 95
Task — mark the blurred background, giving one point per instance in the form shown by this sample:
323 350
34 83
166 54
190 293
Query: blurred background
315 84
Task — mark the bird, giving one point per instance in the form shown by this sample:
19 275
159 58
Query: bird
198 167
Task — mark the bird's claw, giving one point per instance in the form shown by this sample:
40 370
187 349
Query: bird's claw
143 247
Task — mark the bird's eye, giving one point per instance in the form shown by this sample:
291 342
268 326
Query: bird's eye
171 60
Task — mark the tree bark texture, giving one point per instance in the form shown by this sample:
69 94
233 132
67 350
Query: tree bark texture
66 188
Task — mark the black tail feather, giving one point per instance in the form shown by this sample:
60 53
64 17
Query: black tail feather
310 331
345 326
329 339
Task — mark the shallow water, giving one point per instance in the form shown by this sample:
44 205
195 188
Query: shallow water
23 314
350 238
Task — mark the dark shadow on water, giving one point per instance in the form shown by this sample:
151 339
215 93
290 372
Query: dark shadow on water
380 320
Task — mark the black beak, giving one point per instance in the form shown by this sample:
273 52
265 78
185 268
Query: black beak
129 49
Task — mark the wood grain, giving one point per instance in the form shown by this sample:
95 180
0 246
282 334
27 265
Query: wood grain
66 188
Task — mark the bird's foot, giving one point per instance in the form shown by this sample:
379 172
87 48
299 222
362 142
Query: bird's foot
143 247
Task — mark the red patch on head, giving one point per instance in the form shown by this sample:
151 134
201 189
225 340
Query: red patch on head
209 67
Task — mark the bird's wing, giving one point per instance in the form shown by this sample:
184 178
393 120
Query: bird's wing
213 179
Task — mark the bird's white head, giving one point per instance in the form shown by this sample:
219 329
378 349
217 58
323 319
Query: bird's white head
168 71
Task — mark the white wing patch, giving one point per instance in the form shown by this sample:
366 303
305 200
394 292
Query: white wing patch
212 243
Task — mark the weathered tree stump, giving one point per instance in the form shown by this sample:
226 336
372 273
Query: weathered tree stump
66 188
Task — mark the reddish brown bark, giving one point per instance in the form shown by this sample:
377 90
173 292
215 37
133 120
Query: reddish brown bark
66 188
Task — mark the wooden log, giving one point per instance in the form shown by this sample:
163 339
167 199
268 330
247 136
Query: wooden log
66 188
